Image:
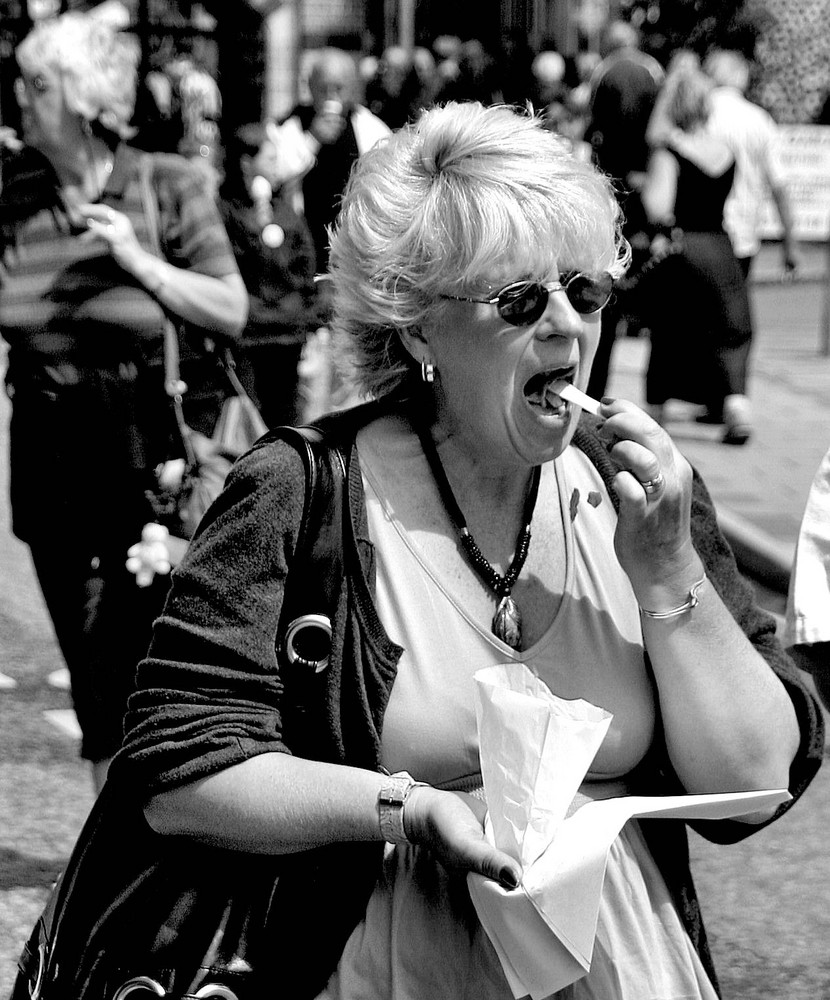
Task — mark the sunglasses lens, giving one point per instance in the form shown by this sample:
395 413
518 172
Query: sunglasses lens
522 305
589 293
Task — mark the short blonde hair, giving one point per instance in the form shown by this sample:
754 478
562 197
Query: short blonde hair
97 63
690 101
462 199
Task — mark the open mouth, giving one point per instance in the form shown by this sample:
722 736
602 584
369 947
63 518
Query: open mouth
539 390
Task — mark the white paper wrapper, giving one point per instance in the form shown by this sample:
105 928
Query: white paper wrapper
535 751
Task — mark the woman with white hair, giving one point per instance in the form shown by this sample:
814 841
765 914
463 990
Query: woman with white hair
484 523
83 300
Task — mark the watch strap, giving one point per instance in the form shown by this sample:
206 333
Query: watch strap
391 801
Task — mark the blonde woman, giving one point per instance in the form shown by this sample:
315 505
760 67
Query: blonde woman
486 524
82 303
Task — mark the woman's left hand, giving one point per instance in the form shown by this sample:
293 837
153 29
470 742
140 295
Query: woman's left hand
653 537
116 229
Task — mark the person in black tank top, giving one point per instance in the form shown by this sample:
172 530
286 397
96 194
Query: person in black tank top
696 300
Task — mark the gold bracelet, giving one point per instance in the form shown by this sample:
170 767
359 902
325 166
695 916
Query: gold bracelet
691 601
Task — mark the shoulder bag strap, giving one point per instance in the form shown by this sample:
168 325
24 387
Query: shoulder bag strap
173 384
317 569
150 205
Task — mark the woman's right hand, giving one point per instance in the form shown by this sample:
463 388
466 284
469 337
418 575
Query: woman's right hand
451 825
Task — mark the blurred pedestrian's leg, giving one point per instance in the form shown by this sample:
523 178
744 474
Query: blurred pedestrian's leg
102 622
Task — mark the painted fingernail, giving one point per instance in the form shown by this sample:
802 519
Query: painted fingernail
508 878
607 400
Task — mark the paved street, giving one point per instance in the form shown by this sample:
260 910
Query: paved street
765 901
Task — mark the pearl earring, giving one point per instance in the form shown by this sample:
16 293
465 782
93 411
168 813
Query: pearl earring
427 372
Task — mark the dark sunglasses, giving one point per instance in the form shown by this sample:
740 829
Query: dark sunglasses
523 302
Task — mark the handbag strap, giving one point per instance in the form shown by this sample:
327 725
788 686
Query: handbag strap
173 383
149 200
318 567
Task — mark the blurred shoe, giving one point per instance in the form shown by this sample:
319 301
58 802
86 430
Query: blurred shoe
59 679
7 683
737 434
738 419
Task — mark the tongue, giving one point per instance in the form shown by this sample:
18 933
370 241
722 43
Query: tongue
551 398
543 394
540 388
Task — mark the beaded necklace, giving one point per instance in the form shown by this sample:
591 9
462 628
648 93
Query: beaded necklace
507 621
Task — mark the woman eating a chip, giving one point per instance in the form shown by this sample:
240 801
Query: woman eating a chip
490 521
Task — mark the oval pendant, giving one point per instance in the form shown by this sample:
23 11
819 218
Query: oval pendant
507 622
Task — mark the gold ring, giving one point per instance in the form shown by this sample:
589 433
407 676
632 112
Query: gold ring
653 485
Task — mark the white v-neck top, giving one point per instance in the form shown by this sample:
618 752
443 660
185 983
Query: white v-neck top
593 648
420 936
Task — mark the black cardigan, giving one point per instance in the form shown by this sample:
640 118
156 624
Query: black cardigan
212 693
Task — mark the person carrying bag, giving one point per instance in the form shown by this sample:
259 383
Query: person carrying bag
84 296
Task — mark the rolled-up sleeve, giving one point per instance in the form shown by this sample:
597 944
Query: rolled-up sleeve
194 234
208 694
760 628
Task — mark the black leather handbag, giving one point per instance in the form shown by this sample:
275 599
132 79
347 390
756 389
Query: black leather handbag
139 915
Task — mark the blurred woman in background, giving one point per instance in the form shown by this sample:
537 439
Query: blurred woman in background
698 352
83 299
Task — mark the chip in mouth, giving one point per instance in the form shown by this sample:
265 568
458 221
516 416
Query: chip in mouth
539 390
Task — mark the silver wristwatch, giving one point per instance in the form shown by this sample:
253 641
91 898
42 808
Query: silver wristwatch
391 799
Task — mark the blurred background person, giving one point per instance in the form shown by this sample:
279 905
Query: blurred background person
548 90
750 133
276 258
550 97
696 298
478 77
83 298
624 87
515 62
579 95
394 94
335 129
427 70
447 52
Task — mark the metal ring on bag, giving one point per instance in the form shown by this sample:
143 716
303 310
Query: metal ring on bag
139 983
308 642
34 991
215 991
